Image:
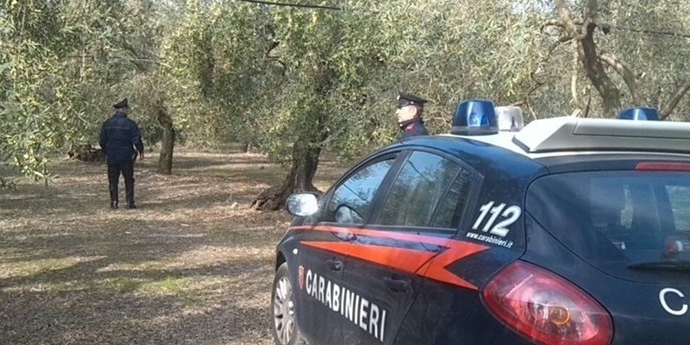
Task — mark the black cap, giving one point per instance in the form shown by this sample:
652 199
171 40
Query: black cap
407 99
121 104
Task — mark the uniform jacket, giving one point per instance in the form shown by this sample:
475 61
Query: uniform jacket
413 128
119 136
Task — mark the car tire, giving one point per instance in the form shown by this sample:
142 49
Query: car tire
285 330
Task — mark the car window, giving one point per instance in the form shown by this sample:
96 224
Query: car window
451 205
353 199
604 215
679 197
426 182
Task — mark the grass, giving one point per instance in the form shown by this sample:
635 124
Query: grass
192 265
34 267
121 284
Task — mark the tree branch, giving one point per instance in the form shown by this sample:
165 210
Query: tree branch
627 75
589 56
268 56
526 99
270 49
573 78
286 4
589 103
566 18
653 32
552 22
568 36
136 60
677 96
657 97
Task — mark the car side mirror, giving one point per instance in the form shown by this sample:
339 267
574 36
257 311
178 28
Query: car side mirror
303 204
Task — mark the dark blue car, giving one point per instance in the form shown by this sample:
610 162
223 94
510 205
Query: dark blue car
566 231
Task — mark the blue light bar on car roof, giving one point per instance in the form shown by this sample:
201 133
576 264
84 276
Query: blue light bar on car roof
639 113
475 117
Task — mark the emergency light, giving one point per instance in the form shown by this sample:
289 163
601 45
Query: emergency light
639 113
475 117
510 118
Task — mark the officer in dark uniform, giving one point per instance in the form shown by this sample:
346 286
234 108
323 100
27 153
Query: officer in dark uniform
409 114
119 137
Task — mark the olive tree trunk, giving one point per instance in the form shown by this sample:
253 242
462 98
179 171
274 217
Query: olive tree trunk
300 178
165 158
595 63
306 149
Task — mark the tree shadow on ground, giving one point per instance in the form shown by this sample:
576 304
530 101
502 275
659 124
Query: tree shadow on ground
203 163
99 315
90 287
182 269
132 242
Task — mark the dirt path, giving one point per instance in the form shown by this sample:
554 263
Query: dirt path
191 266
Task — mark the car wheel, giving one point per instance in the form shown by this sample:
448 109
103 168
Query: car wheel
285 330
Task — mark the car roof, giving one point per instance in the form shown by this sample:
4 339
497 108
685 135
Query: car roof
572 133
561 135
567 140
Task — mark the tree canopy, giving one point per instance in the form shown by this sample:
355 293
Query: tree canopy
303 77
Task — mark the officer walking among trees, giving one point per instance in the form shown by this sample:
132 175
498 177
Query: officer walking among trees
409 114
120 135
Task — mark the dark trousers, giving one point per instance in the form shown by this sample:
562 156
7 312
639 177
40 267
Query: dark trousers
127 171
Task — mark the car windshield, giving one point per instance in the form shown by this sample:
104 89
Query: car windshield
638 217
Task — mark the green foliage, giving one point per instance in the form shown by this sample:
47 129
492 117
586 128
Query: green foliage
273 77
57 66
214 60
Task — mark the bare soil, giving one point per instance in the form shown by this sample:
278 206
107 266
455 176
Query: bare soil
191 265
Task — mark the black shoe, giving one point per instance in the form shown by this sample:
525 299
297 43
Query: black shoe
131 206
113 205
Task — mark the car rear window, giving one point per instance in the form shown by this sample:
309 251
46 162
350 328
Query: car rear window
616 216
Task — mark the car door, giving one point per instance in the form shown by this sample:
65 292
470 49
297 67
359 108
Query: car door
389 256
323 248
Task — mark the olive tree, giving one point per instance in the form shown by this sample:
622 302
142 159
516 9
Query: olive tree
623 50
56 68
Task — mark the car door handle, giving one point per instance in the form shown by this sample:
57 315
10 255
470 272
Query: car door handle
335 265
397 285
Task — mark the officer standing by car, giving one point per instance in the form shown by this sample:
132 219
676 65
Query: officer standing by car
409 114
120 136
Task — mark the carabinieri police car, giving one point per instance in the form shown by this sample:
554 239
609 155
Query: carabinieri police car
565 231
